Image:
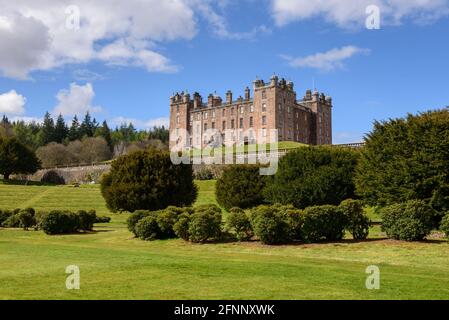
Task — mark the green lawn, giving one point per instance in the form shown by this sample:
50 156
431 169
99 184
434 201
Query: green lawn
114 265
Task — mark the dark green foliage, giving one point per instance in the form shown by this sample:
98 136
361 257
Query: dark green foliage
204 174
52 177
204 226
60 222
407 159
444 226
181 227
323 223
295 220
26 218
15 158
148 180
87 219
313 176
4 215
148 228
134 218
12 221
166 220
358 222
61 131
103 219
270 225
240 186
409 221
238 222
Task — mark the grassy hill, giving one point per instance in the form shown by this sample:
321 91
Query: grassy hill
114 265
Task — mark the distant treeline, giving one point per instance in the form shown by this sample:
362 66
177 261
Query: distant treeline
45 135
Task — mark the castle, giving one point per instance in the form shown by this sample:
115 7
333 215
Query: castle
274 105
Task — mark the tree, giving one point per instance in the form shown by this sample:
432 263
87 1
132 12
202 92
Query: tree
48 129
240 186
407 159
94 150
55 154
61 131
15 158
313 176
87 128
74 131
105 133
148 180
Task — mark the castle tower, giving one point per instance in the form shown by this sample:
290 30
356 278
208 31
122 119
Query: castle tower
180 107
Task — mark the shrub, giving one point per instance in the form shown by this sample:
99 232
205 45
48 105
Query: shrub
87 219
239 223
409 221
39 216
240 186
181 227
444 227
270 226
407 159
4 215
313 176
358 223
323 223
295 220
12 221
60 222
204 226
148 228
166 220
148 180
52 177
26 218
134 218
102 219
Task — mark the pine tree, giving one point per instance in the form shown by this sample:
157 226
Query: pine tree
48 129
87 126
105 133
61 130
74 131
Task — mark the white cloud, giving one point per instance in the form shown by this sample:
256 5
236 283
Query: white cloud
325 61
350 13
34 35
143 124
12 103
26 119
77 100
87 75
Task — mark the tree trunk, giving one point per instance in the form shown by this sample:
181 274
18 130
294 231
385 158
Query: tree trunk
6 176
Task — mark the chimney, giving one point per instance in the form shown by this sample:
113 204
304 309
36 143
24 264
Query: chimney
247 94
229 97
197 100
210 100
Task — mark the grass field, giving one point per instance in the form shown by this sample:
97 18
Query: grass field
114 265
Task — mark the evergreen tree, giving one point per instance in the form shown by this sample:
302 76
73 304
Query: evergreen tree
74 131
61 130
48 129
105 133
87 126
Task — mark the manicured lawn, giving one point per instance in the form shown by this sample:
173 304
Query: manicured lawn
114 265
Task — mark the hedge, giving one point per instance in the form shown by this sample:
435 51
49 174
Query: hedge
239 224
357 222
324 223
444 227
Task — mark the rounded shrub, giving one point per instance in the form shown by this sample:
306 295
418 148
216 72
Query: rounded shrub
148 180
323 223
26 218
60 222
240 186
444 226
181 227
87 220
148 228
312 176
102 219
295 220
12 221
409 221
238 222
204 226
4 215
270 226
166 220
134 218
357 222
53 177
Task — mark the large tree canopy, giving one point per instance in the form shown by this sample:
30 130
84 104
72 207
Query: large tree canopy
407 159
15 158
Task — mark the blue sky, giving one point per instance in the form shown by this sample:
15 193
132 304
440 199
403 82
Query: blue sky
123 64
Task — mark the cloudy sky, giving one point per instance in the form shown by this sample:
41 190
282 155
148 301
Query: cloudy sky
123 61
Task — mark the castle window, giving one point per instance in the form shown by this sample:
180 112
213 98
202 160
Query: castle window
205 127
280 106
251 108
264 94
241 123
232 124
213 114
177 120
264 120
241 110
205 115
264 107
289 109
264 132
224 125
213 125
251 122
